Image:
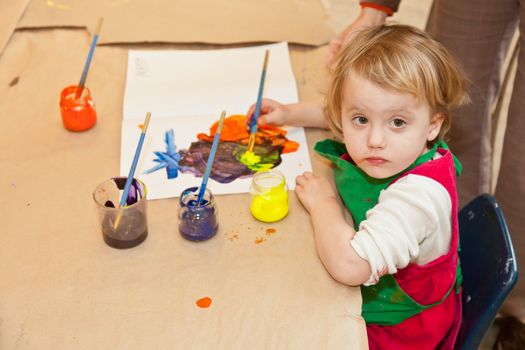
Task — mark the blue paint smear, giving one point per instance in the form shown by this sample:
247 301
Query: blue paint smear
169 159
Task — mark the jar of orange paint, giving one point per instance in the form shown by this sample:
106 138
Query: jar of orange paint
78 113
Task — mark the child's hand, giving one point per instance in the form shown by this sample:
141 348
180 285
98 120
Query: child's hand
314 190
272 112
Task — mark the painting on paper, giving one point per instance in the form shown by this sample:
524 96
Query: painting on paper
179 140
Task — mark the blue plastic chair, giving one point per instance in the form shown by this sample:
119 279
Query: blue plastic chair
489 267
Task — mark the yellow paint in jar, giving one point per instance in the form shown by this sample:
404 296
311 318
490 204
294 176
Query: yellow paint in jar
269 196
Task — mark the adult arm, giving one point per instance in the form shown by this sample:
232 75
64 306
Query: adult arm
372 13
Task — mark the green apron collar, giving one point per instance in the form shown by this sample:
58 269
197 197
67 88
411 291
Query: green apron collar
359 191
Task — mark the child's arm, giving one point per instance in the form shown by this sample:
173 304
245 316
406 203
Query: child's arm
309 114
331 231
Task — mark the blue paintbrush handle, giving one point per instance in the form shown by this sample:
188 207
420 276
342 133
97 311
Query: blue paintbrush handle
131 173
258 104
253 126
208 169
209 164
127 186
88 61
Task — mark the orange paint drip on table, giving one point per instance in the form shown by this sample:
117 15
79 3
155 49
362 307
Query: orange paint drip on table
270 231
259 240
204 303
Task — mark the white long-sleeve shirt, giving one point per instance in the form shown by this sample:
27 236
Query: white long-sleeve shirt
410 224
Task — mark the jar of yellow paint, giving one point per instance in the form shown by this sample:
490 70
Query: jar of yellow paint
269 196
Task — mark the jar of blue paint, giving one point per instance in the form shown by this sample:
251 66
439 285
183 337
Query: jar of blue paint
197 221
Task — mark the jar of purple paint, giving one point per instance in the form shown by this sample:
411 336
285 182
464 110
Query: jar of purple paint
197 221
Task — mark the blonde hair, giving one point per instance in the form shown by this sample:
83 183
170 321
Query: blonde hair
403 59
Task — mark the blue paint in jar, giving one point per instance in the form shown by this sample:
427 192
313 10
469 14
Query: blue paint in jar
197 222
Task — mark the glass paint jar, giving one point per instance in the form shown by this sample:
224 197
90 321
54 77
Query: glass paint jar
197 222
78 113
132 229
269 196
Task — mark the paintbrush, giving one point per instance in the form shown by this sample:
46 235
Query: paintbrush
129 180
88 60
209 164
253 124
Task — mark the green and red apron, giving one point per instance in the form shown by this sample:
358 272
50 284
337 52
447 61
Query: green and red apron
419 307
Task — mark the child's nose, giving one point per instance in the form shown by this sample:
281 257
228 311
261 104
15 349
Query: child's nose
376 138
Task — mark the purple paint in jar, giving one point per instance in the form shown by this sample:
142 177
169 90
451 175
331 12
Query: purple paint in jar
197 222
133 227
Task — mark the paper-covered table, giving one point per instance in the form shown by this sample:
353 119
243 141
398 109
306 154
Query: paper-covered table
62 287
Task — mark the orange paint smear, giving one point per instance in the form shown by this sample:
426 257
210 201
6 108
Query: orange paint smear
234 130
259 240
270 231
203 302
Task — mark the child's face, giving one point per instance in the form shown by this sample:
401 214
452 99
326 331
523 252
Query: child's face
385 131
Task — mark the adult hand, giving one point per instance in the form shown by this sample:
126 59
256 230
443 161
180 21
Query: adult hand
369 17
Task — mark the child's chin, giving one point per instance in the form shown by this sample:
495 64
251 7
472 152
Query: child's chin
379 173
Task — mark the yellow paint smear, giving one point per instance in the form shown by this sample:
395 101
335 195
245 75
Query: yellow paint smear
52 3
250 158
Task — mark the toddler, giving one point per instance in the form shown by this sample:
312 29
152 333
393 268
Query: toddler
389 100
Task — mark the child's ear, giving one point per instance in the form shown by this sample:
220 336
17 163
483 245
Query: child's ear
435 126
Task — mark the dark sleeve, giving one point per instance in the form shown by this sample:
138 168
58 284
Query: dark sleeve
392 4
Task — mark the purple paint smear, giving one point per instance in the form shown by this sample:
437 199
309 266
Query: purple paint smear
135 191
226 166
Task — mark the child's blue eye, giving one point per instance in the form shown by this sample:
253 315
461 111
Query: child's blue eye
398 123
359 120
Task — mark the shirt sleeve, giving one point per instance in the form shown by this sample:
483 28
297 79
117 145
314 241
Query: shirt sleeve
410 223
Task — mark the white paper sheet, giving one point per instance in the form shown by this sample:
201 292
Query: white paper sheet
186 91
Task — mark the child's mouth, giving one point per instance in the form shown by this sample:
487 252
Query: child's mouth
376 160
